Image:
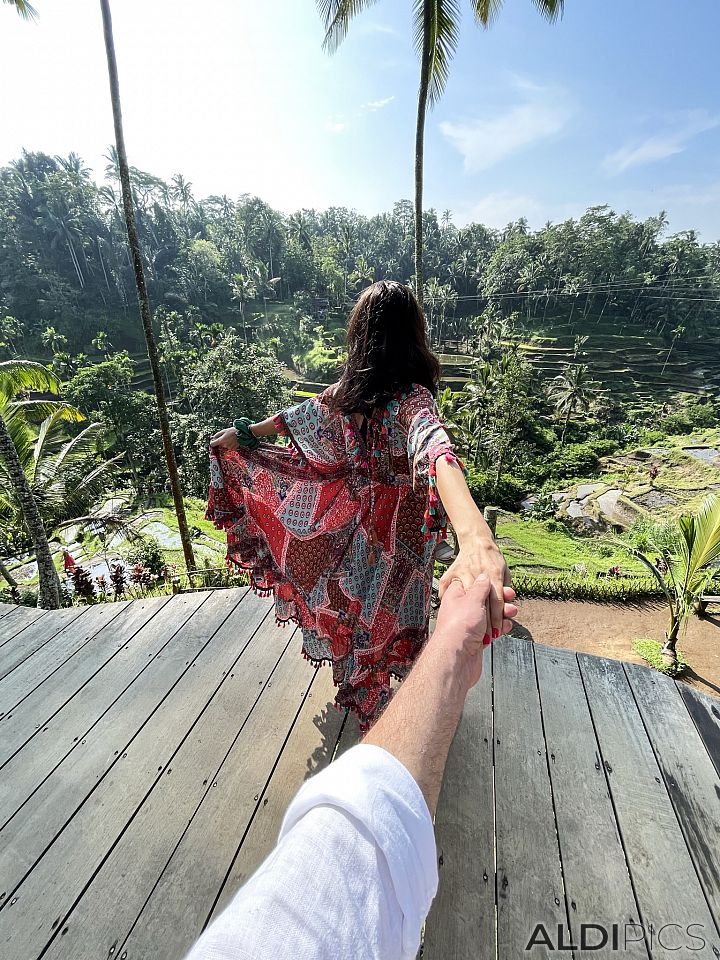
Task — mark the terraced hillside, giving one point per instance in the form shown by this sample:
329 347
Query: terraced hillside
627 364
631 365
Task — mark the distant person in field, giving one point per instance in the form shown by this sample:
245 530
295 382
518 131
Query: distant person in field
68 561
342 524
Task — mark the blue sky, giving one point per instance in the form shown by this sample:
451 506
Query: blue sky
617 103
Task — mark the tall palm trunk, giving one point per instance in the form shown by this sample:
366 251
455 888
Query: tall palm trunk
49 592
11 582
566 424
143 299
419 151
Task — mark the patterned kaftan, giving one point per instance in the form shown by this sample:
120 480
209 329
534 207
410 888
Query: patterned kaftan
343 531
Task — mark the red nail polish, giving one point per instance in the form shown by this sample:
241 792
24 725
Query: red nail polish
496 633
486 640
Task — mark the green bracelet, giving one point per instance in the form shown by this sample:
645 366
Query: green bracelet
246 438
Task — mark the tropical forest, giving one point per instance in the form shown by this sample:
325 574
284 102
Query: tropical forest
580 375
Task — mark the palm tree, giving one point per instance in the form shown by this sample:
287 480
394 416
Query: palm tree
63 476
573 390
18 377
101 342
436 28
143 299
53 340
243 291
691 558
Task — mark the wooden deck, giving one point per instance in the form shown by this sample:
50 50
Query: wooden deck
148 751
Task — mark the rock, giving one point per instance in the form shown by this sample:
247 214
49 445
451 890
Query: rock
585 489
618 511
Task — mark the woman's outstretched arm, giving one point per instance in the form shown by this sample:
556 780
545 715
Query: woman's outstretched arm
478 551
228 438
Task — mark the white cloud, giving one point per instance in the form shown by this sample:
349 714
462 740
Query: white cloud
500 208
337 125
377 104
542 113
660 146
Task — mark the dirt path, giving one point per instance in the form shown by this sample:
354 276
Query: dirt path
608 630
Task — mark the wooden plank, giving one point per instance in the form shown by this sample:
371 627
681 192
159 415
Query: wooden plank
27 770
194 851
705 712
690 777
79 845
529 878
25 719
21 681
43 630
6 608
664 879
18 620
461 923
595 872
186 832
15 622
309 749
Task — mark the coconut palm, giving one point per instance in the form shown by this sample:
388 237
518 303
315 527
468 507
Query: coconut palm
54 341
21 377
436 29
573 390
62 474
143 299
691 557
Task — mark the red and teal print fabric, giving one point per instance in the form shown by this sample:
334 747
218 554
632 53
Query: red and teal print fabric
341 528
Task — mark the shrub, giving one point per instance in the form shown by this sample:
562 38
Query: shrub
147 554
650 437
574 460
677 423
651 652
544 508
83 586
572 586
321 363
603 448
28 596
506 493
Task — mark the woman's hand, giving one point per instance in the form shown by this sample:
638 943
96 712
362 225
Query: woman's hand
482 555
226 438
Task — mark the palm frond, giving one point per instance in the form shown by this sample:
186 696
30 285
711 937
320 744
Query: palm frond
40 409
19 376
336 16
78 448
21 434
700 537
108 523
69 501
24 9
486 11
441 19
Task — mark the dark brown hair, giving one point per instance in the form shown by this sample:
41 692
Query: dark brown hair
387 349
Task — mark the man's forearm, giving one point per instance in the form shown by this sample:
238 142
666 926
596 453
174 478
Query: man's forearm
419 724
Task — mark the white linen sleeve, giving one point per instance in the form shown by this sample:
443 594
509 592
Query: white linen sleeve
353 874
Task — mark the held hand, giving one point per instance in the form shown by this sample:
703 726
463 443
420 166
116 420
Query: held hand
483 556
462 626
226 438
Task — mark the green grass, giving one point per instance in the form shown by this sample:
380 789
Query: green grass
651 652
530 546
